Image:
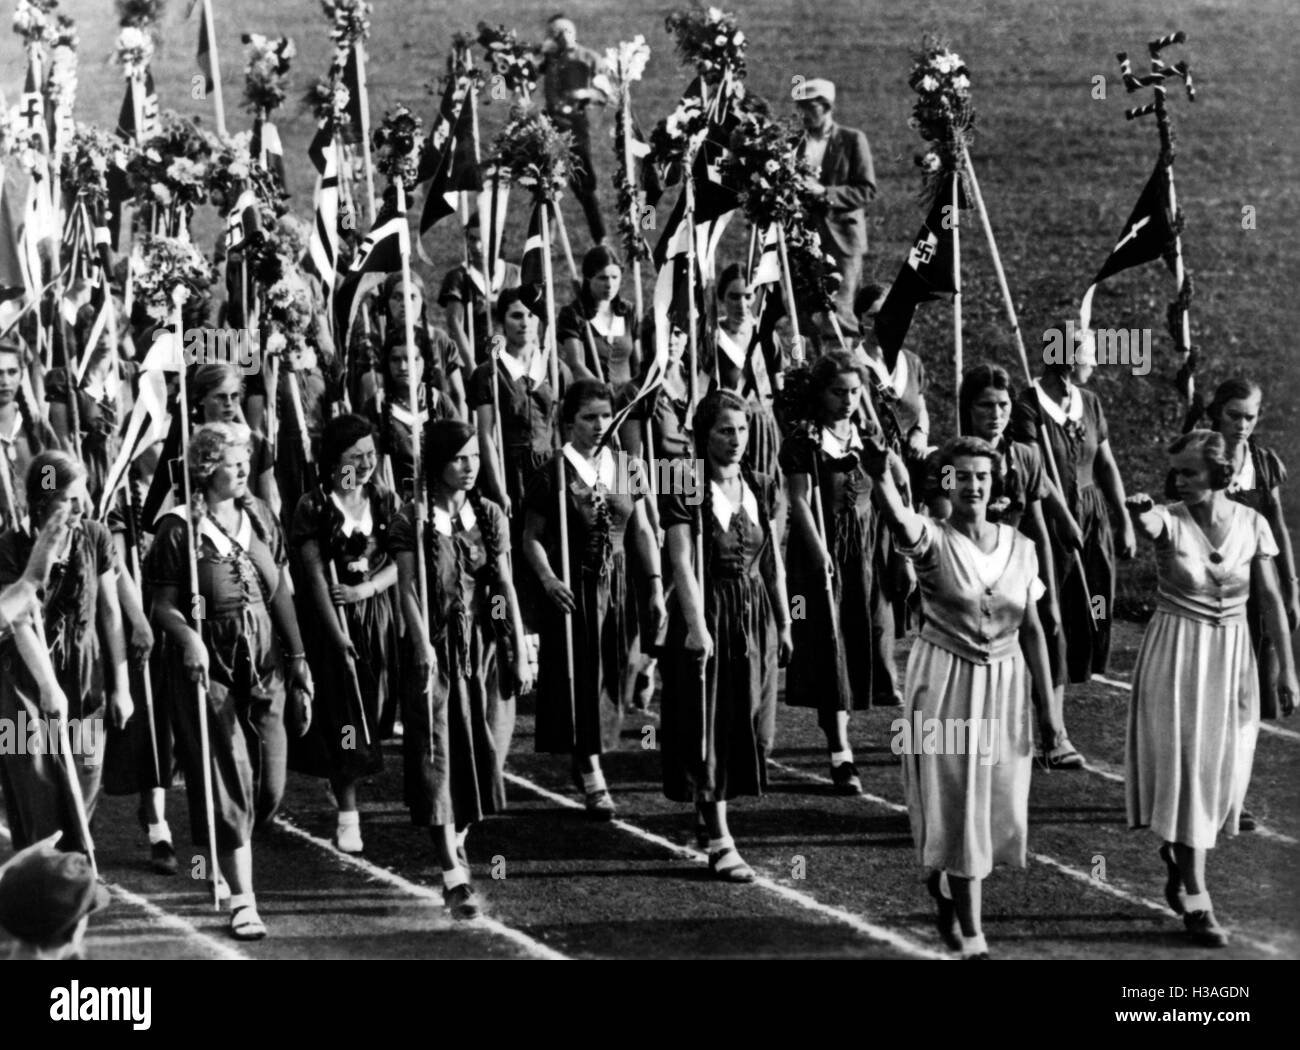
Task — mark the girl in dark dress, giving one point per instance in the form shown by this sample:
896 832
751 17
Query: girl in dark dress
837 651
443 369
217 393
1071 419
599 319
83 633
457 708
23 434
341 530
601 507
718 727
246 612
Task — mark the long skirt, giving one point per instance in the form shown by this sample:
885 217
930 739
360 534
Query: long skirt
966 774
345 738
1192 725
1088 639
246 734
452 768
715 736
141 755
601 643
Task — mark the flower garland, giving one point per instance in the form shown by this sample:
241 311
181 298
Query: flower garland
32 20
514 62
765 165
172 167
814 273
535 153
328 100
351 21
625 65
133 51
711 40
24 143
943 112
289 311
266 70
672 137
280 251
90 155
168 263
398 142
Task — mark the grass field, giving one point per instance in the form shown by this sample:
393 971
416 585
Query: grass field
1060 171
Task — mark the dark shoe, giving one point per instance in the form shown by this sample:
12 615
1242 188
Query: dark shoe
946 921
462 902
600 805
846 780
162 858
1173 880
1204 929
1246 822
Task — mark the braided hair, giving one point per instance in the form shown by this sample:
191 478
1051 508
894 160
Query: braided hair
396 342
208 447
582 392
443 439
706 418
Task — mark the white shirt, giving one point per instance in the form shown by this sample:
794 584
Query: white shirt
723 508
602 471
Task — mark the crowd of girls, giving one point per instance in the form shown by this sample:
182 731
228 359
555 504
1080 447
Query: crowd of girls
411 545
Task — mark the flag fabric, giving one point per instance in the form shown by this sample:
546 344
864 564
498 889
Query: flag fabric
928 272
492 207
323 245
532 270
31 107
1147 234
768 270
13 280
352 81
448 158
242 222
137 120
242 225
203 56
377 256
267 149
671 303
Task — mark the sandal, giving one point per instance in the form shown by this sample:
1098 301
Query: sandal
246 924
946 921
733 870
1063 755
1173 881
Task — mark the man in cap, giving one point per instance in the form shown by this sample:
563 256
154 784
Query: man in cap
572 80
46 900
845 182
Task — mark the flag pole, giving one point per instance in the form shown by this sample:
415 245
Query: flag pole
364 102
787 289
200 689
217 101
562 487
133 567
692 345
633 200
353 679
956 279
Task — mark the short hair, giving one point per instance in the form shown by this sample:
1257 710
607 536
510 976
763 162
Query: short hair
974 382
339 435
208 447
579 393
66 472
508 297
1214 453
867 295
207 378
967 445
712 406
1238 388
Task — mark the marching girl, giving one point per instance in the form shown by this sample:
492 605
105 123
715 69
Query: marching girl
457 714
1194 711
1020 500
247 646
217 393
1071 419
23 434
463 298
81 629
601 508
979 592
834 535
598 318
442 356
740 365
715 745
341 529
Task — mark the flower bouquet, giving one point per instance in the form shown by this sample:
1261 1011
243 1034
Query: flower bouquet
711 40
398 142
166 264
943 112
534 153
32 20
350 21
514 62
266 70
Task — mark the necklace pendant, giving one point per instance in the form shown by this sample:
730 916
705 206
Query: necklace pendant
1215 557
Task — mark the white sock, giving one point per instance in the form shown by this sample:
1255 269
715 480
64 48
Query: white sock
159 832
721 845
240 900
973 945
594 781
1197 901
461 836
838 758
455 877
349 818
944 889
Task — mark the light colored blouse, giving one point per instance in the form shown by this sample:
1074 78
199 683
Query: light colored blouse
1204 583
974 602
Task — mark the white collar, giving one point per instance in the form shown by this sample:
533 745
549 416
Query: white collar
220 541
724 509
1244 479
535 371
896 380
364 524
442 520
19 421
728 345
498 277
602 472
405 416
838 448
616 329
1073 410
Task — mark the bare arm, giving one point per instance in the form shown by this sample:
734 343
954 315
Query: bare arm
1263 575
1034 647
318 587
535 555
1141 509
109 617
906 524
1112 485
680 542
573 354
132 606
805 525
1290 587
494 485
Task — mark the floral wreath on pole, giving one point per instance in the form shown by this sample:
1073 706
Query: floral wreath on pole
534 153
134 48
943 112
513 62
398 143
266 71
709 39
90 155
171 170
350 22
168 264
625 65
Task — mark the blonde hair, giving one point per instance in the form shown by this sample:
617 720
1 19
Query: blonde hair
208 448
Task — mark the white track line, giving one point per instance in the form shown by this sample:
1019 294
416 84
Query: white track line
218 949
1267 727
533 949
854 922
1040 858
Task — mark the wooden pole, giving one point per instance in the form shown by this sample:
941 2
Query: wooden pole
354 680
791 305
956 297
562 487
360 51
200 688
133 567
217 101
